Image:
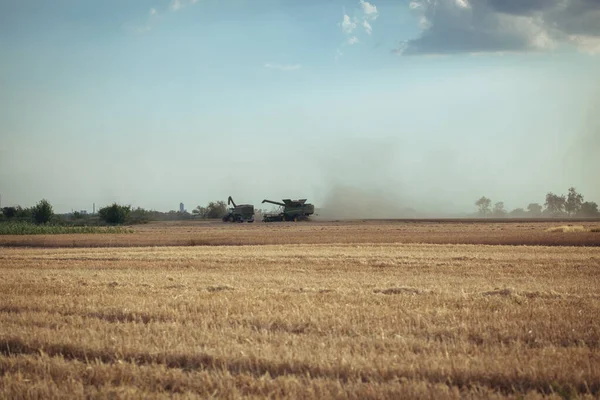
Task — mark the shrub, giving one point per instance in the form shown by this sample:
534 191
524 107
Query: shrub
9 212
114 214
17 213
42 212
589 209
214 210
139 216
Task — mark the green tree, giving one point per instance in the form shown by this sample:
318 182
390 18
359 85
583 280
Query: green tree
534 210
499 211
114 214
139 216
484 204
24 214
555 204
18 212
588 209
574 202
216 210
9 212
517 213
42 212
199 212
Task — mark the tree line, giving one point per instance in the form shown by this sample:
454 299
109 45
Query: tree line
114 214
43 213
571 205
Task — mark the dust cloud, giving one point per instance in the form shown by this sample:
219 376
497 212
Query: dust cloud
361 181
377 178
351 202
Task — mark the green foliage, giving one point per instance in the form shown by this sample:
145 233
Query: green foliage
555 204
26 228
214 210
139 216
17 213
484 204
42 212
9 212
199 212
24 214
114 214
534 210
574 202
499 211
588 209
518 213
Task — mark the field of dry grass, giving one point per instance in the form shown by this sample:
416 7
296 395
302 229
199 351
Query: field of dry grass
197 233
348 320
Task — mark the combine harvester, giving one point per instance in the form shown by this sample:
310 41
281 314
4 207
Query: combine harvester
239 213
293 210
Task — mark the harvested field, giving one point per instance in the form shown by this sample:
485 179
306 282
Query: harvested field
401 231
349 320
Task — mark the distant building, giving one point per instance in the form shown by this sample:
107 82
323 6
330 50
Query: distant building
181 207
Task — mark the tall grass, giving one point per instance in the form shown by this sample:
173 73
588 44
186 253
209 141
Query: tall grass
25 228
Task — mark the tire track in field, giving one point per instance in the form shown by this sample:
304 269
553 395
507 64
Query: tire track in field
257 367
110 316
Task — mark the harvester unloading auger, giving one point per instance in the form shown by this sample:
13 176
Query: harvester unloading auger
293 210
239 213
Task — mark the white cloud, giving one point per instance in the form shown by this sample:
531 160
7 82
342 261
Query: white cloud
414 5
283 67
586 43
348 25
176 5
500 26
369 9
424 23
463 3
368 13
153 11
364 17
368 27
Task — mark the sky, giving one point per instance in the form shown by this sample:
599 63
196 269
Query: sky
425 104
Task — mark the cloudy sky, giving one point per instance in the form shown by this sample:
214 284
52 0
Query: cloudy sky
430 104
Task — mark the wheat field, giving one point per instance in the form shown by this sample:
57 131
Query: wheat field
350 320
200 233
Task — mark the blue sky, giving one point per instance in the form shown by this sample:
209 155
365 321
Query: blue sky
429 103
